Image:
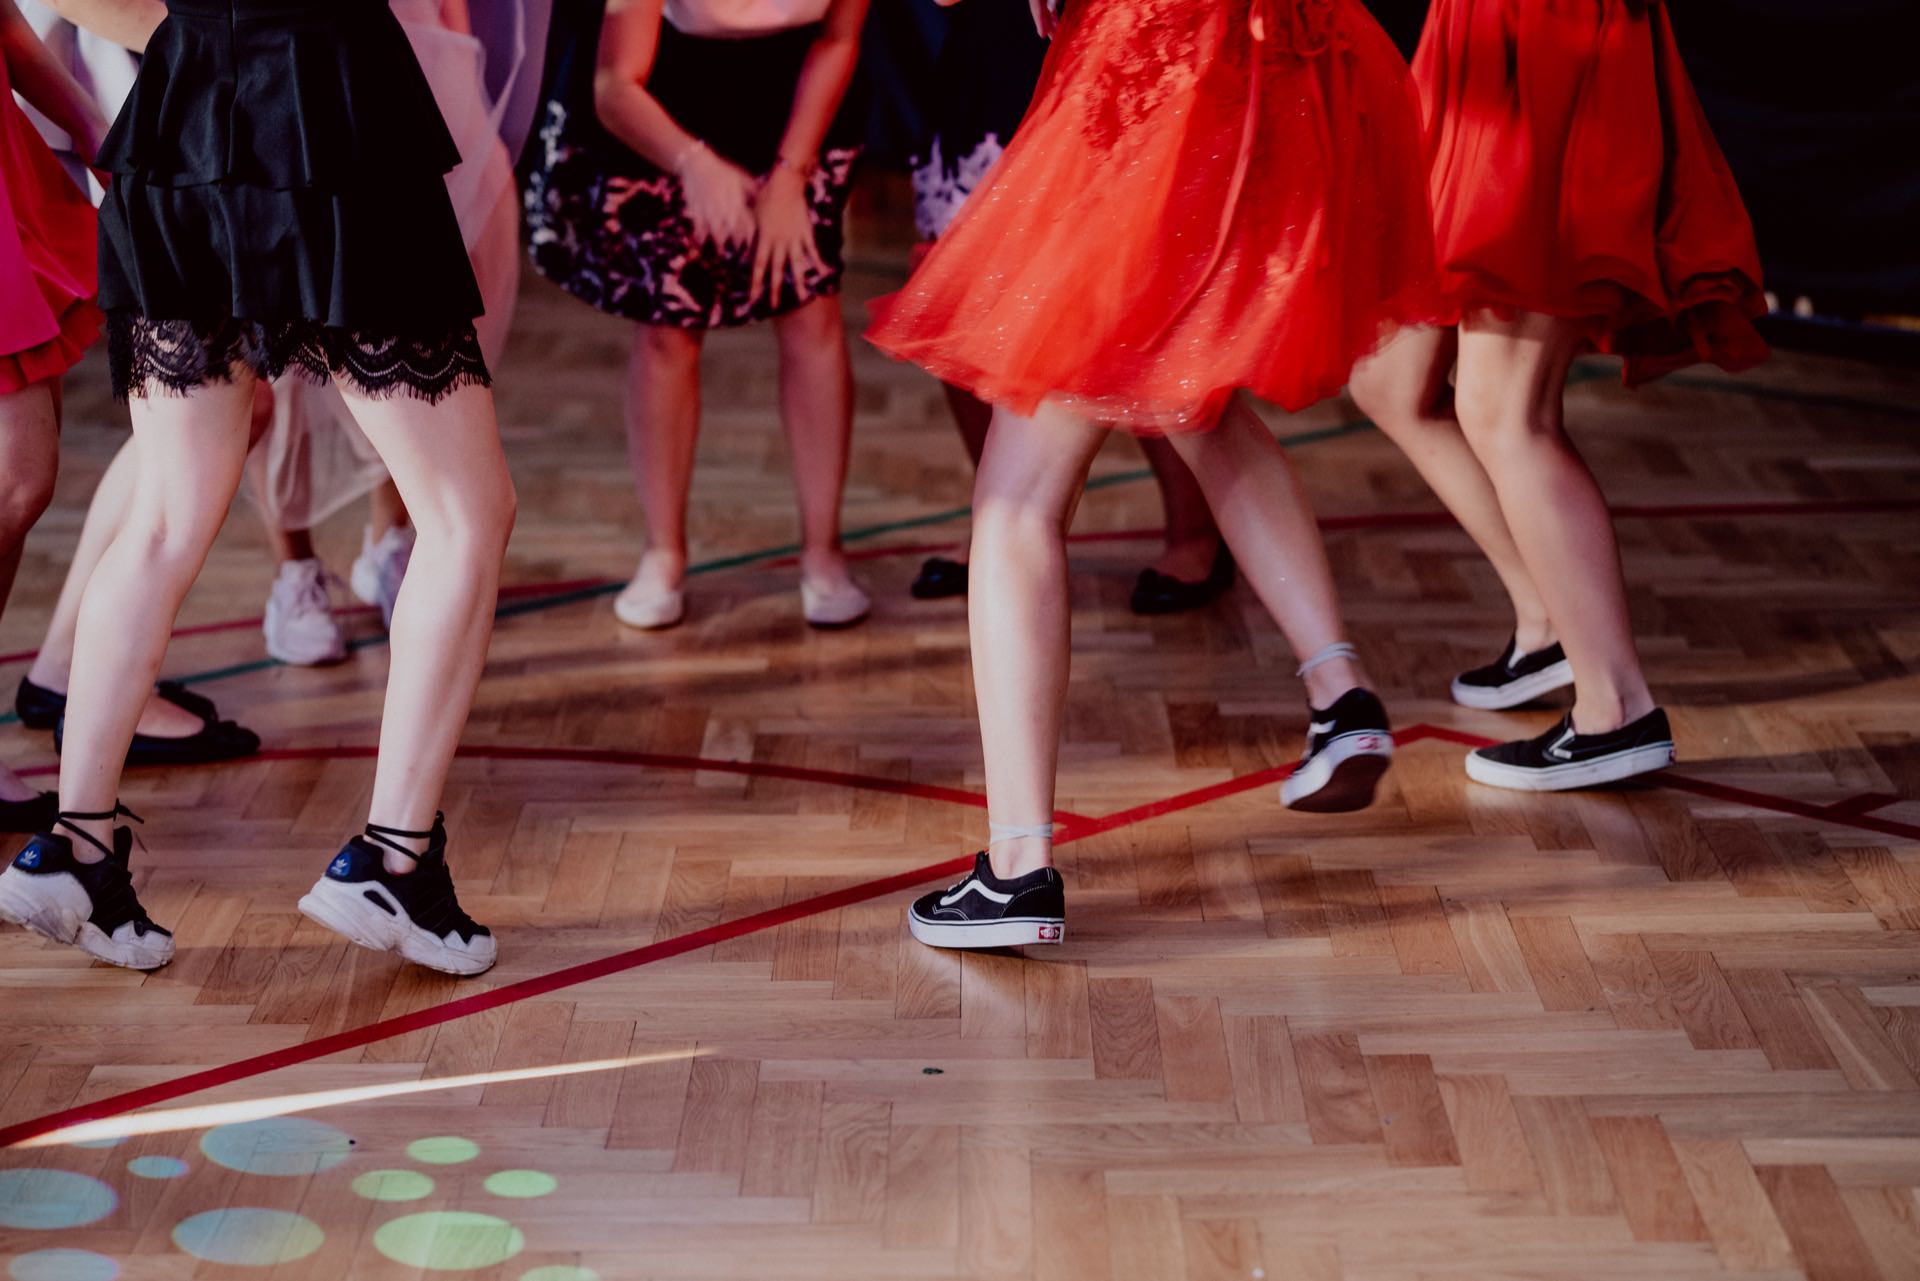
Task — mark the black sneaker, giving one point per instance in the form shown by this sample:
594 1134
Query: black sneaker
1514 678
939 579
1349 747
1561 759
985 911
415 915
91 906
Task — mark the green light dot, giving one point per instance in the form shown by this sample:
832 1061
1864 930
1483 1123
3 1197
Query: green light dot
393 1185
560 1272
63 1265
449 1240
443 1150
248 1238
156 1167
521 1184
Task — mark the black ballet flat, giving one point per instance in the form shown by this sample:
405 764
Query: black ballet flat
35 814
940 578
42 708
1158 593
215 741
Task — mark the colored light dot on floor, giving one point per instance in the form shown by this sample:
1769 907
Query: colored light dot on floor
521 1184
47 1200
63 1265
156 1167
97 1144
248 1237
449 1240
444 1149
286 1146
560 1272
393 1185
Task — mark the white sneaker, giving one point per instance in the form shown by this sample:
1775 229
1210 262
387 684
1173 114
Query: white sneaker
381 567
831 608
300 627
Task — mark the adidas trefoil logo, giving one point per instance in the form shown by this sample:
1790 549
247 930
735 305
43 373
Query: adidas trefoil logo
340 866
29 857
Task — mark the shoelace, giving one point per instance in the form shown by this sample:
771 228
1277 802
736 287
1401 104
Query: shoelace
116 900
439 910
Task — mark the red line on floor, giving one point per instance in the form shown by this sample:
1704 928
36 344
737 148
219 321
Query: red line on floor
1079 828
1865 803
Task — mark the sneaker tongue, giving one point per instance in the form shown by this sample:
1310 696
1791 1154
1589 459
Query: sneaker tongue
122 846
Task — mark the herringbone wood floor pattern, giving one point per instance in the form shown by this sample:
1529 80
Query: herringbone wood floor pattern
1663 1032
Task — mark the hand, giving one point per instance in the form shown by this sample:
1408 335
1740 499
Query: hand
718 197
1046 17
785 219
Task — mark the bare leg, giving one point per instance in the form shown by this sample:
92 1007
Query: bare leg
1030 479
1192 539
29 464
446 460
1513 375
191 451
1264 515
663 426
289 544
816 407
1403 388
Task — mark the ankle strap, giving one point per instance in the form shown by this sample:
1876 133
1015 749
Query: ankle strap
118 811
998 832
386 836
1332 653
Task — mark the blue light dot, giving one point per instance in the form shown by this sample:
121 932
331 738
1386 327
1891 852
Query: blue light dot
64 1265
156 1167
46 1200
284 1145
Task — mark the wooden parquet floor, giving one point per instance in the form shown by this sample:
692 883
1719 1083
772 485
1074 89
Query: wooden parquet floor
1671 1031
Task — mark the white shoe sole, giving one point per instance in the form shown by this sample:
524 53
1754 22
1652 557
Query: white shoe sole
1343 777
1516 692
57 908
341 908
1024 931
652 613
53 907
1574 774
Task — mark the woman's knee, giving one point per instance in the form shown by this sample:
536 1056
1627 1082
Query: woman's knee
663 347
25 495
816 327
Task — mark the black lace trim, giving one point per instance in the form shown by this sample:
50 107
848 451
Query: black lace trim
176 356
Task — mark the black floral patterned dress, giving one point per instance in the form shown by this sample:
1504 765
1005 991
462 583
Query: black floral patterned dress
611 228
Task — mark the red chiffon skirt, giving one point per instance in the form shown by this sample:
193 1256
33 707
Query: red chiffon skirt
1206 195
1573 174
47 257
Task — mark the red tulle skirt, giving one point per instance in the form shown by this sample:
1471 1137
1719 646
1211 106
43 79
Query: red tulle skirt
1206 195
47 257
1574 174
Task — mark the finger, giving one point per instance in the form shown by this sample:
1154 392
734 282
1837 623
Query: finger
762 253
815 259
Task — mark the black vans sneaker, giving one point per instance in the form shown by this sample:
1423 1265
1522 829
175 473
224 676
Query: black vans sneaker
89 905
1514 678
415 915
1561 759
985 911
1349 747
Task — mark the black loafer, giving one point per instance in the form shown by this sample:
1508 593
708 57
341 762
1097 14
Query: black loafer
36 814
1158 593
42 708
216 741
940 578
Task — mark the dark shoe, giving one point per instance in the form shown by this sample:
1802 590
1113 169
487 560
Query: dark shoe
1514 678
1158 593
216 741
91 906
415 915
940 578
36 814
985 911
1349 747
1561 759
41 708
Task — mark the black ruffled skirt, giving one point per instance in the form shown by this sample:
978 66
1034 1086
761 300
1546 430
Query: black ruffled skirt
279 202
